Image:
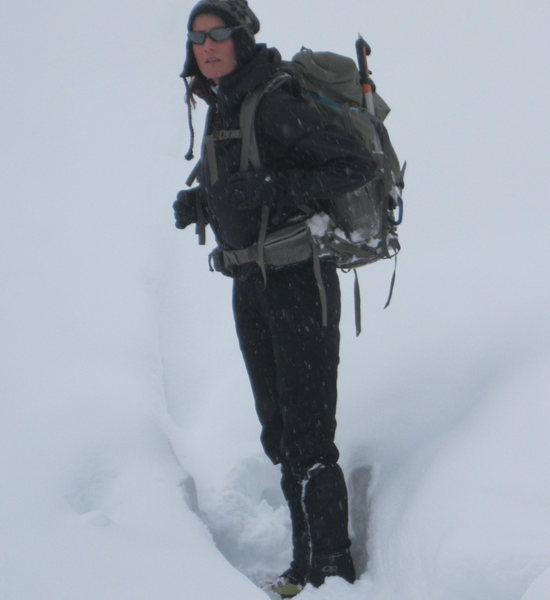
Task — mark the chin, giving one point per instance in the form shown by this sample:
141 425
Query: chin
212 73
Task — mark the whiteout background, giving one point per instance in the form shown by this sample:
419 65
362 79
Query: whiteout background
121 376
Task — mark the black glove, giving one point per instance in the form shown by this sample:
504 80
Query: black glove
251 189
185 210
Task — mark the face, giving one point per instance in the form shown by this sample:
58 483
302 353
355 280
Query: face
214 59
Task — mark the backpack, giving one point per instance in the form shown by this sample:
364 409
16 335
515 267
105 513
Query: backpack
363 223
360 227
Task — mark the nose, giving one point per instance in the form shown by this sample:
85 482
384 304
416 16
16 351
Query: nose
209 44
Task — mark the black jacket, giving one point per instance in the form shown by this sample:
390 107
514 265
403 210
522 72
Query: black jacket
312 160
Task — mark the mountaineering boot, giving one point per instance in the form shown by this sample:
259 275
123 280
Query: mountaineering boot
287 585
325 502
336 564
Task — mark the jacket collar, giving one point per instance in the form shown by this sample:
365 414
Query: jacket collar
260 68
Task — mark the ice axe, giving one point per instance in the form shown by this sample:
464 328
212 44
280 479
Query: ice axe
363 50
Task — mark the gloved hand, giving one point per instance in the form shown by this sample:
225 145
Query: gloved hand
185 211
251 189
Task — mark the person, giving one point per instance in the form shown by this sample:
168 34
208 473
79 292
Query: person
291 357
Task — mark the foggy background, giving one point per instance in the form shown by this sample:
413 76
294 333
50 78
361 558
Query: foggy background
118 351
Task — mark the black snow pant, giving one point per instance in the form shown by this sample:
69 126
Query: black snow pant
291 359
292 362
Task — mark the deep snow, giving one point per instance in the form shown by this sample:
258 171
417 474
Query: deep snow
131 467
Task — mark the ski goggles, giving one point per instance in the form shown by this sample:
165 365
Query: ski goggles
218 34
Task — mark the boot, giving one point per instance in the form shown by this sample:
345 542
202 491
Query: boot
336 564
325 502
287 585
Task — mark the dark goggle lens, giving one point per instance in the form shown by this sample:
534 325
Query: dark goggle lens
219 34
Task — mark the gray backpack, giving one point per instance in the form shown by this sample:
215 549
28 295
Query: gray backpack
361 226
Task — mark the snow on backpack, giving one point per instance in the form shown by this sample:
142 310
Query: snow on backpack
361 226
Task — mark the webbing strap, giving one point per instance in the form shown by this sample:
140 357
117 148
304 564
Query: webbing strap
357 301
227 134
193 175
250 154
211 154
320 284
210 145
261 241
392 283
200 228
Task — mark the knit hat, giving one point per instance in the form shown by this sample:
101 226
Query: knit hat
234 13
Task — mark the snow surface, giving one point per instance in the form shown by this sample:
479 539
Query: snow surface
131 467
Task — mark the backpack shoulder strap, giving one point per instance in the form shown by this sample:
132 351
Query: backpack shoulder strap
250 154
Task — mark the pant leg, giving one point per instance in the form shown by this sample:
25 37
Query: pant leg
306 356
292 360
257 348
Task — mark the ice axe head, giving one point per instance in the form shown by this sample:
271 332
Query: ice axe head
364 50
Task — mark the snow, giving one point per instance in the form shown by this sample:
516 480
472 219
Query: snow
318 224
131 466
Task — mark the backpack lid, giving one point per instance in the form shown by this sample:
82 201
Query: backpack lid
329 74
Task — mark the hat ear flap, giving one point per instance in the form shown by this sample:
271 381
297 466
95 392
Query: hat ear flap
190 67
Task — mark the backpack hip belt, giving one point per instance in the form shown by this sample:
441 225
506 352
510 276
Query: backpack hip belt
281 248
287 246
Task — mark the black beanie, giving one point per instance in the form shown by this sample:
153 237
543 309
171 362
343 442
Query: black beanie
233 13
